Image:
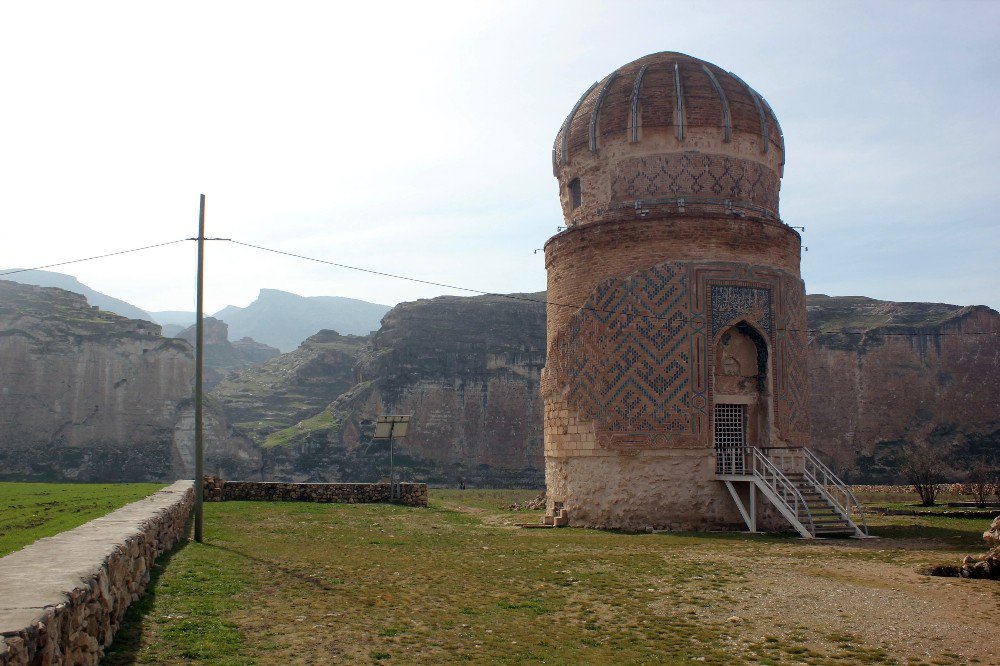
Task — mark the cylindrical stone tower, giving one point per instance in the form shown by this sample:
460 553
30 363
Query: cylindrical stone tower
677 320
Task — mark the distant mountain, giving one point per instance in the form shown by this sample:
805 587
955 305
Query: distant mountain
284 320
180 318
70 283
173 321
223 356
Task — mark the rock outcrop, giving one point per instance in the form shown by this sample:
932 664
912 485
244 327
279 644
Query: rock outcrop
468 369
886 374
263 400
988 565
84 394
88 395
223 356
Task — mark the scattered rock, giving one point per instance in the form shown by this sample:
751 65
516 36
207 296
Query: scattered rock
535 504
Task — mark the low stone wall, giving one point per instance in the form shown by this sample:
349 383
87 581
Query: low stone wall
63 597
217 490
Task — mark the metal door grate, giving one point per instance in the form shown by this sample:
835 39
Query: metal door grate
730 438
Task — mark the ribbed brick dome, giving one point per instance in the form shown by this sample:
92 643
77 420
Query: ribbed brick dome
665 92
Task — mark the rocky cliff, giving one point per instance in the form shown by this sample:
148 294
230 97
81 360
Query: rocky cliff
466 368
223 356
85 394
882 374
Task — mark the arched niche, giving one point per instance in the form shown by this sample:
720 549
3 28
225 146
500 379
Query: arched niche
741 384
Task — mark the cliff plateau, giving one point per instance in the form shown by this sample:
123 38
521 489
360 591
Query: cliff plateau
882 374
86 394
466 368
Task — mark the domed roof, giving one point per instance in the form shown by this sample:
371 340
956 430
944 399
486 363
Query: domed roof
665 92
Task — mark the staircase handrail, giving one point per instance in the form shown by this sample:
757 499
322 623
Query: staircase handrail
774 477
824 479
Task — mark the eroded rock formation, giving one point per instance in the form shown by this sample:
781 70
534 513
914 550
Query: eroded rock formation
223 356
468 369
887 374
85 394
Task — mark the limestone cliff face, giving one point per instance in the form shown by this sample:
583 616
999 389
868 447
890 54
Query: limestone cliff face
468 369
223 356
264 400
902 372
85 394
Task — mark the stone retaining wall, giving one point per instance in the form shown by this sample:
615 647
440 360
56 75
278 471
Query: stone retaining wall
217 490
63 597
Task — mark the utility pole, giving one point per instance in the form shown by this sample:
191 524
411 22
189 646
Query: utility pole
199 359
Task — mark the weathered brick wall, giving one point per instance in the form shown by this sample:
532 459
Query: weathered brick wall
669 171
62 598
411 494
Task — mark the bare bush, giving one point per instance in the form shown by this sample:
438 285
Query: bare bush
981 481
924 469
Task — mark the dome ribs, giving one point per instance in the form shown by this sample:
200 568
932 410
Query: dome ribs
579 127
596 114
633 119
727 122
780 139
669 101
757 99
746 112
564 151
614 122
656 100
702 107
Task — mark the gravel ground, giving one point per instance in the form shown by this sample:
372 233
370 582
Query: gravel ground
854 592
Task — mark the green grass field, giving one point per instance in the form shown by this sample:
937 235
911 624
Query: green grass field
458 582
30 511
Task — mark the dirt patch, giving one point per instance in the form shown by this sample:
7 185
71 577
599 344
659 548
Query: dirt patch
824 603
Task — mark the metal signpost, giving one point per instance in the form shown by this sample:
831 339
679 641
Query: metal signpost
390 427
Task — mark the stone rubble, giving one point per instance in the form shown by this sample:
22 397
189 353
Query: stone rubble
988 565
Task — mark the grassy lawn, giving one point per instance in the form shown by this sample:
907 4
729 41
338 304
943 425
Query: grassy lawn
30 511
329 583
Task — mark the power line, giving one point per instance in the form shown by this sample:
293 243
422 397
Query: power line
511 297
515 297
99 256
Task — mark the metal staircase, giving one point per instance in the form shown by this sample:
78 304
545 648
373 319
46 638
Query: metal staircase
803 490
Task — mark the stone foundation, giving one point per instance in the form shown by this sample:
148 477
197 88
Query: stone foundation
63 597
661 491
217 490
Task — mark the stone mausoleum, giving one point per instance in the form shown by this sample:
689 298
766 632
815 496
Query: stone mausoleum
677 319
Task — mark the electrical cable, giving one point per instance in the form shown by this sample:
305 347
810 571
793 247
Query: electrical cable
512 297
99 256
515 297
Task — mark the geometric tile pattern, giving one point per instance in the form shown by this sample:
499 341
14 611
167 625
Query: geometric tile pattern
792 383
676 175
631 373
637 359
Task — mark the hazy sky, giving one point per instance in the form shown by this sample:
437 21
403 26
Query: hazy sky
415 138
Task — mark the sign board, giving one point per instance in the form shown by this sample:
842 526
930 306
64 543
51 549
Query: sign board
392 426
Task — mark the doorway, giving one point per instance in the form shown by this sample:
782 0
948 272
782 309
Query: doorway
730 438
